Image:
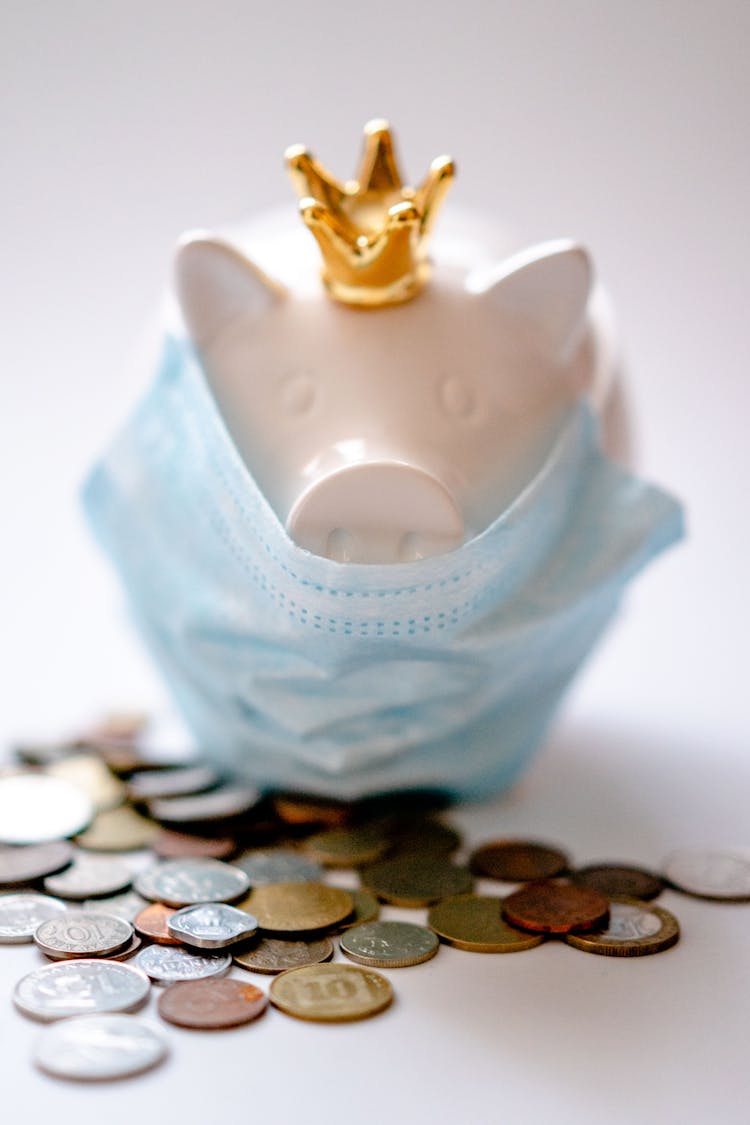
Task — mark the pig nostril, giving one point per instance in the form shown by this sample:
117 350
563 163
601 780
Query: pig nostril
340 545
456 397
410 547
298 394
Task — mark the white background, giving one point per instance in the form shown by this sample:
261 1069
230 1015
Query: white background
624 125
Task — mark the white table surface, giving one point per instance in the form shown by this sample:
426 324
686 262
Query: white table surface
123 125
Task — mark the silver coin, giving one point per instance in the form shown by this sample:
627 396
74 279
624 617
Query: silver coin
180 781
29 862
35 808
127 905
184 882
279 866
81 987
90 876
709 874
391 945
83 934
220 804
21 914
165 964
98 1047
211 925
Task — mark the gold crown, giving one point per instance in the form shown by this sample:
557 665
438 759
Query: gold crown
372 231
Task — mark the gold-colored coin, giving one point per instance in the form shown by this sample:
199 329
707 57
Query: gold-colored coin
295 908
474 923
118 830
301 809
366 909
90 774
348 847
416 880
331 993
635 929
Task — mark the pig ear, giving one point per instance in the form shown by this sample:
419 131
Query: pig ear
546 288
216 283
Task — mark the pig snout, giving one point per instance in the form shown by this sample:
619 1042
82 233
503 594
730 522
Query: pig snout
376 512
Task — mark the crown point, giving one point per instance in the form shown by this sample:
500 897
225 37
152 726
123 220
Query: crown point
372 230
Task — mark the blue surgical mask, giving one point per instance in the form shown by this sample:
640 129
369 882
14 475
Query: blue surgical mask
300 672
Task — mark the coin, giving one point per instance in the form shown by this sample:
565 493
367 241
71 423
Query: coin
98 1047
517 861
82 934
618 879
132 947
175 781
556 908
74 988
227 803
27 863
182 845
123 727
425 836
127 905
366 909
212 1003
389 945
90 876
302 809
89 773
279 865
415 880
286 908
719 875
118 830
331 993
635 929
211 925
475 923
152 923
273 955
35 808
183 882
348 847
166 965
20 914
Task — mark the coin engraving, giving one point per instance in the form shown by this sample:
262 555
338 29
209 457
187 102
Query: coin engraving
167 964
331 992
79 987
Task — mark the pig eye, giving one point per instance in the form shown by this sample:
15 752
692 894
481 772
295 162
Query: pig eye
456 397
298 392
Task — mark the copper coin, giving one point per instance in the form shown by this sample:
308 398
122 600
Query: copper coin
306 809
272 955
414 880
21 864
178 845
211 1004
556 908
619 879
152 923
517 861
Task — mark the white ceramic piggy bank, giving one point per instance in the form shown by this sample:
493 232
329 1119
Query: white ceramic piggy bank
390 420
371 526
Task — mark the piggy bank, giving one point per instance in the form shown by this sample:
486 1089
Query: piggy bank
371 517
382 427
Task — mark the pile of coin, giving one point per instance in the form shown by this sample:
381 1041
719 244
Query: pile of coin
127 872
